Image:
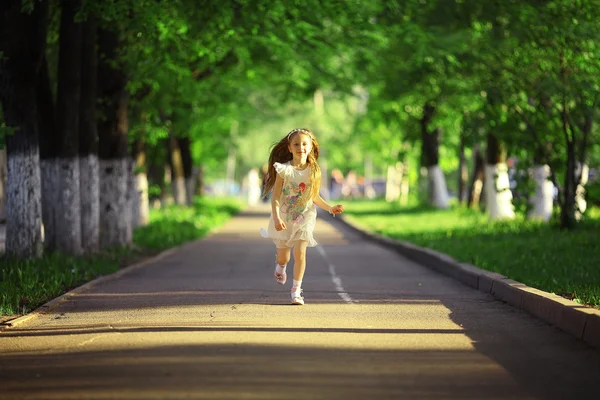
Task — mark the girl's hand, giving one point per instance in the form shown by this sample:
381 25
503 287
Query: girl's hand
279 224
337 209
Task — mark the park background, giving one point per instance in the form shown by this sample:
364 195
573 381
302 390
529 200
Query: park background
471 128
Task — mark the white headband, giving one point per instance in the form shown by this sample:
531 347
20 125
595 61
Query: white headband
299 130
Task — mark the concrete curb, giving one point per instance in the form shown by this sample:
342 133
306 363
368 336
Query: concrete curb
578 320
52 304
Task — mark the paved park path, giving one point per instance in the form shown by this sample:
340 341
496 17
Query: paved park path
208 322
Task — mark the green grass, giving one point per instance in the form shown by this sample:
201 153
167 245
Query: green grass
537 254
175 225
27 284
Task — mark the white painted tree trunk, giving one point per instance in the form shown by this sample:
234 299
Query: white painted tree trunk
392 188
544 189
254 189
393 184
135 205
498 196
437 186
141 207
68 207
23 205
89 179
404 186
580 191
49 176
115 215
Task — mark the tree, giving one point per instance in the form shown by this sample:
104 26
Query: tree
67 203
113 154
88 140
22 44
547 83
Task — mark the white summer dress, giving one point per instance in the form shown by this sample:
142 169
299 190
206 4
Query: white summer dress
299 217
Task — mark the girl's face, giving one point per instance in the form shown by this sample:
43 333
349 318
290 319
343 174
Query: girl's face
300 146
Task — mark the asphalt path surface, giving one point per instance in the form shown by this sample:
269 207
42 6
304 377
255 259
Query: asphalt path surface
208 321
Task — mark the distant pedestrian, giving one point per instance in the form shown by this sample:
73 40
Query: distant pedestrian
294 177
336 183
351 189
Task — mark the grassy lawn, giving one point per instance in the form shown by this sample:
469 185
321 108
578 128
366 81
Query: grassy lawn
25 285
536 254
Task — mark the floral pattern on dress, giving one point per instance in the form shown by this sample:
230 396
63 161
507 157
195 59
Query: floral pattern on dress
293 204
297 210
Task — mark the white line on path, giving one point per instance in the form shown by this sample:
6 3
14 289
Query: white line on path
337 281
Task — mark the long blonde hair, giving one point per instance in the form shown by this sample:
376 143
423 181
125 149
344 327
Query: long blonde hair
281 154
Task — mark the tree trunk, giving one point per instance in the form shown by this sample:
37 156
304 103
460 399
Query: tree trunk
463 173
568 217
88 141
476 186
573 203
582 174
438 192
68 203
157 161
3 183
141 210
497 185
177 172
393 181
404 184
22 42
129 197
199 178
115 215
186 160
48 151
544 190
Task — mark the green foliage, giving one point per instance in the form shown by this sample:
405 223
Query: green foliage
195 70
593 192
536 254
175 225
489 67
27 284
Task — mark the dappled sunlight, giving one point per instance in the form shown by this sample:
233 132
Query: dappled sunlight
330 326
221 351
271 371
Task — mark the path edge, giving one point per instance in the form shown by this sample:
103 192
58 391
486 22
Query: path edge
578 320
52 304
55 302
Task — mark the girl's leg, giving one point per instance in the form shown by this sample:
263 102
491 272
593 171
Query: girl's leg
299 259
299 267
282 257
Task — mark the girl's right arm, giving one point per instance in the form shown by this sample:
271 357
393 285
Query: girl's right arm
277 188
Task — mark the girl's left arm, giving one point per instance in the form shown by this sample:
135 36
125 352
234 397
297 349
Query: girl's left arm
319 201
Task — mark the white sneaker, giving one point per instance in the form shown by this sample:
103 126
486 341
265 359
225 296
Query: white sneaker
297 298
280 278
